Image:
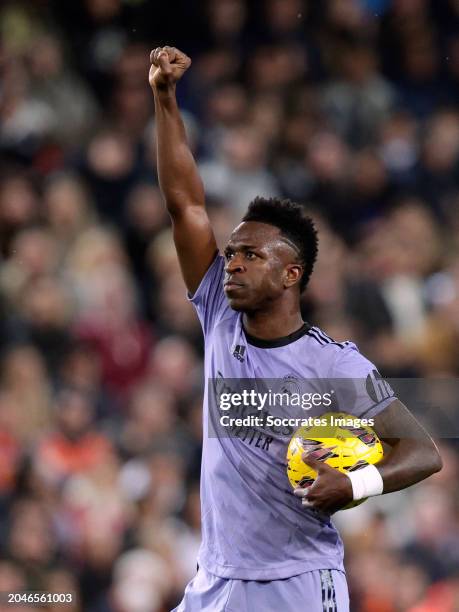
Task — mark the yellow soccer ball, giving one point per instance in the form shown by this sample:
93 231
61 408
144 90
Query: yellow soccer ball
337 442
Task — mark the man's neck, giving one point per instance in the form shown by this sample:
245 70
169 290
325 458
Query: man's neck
267 325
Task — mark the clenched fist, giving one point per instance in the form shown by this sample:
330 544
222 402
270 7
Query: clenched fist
168 65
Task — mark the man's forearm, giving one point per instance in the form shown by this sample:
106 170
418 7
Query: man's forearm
409 461
178 175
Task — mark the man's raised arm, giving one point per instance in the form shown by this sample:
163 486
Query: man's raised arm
179 180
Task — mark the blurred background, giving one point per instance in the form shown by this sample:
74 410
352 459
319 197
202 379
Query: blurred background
348 106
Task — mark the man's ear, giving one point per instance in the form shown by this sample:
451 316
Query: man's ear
293 274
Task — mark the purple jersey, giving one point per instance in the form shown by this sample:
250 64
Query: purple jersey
253 527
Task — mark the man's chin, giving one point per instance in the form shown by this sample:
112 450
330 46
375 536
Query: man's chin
238 305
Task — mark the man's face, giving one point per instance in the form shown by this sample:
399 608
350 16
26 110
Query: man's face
260 265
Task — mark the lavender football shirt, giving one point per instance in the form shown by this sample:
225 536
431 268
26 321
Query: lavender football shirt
253 527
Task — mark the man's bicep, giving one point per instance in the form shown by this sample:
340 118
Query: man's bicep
396 422
195 243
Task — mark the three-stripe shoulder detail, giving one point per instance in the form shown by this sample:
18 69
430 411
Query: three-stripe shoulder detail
322 338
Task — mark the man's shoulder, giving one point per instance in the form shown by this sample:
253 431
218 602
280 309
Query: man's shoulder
343 359
330 354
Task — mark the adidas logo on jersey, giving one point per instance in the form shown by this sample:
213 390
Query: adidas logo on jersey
239 352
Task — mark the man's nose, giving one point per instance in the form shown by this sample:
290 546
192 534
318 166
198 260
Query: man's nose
234 265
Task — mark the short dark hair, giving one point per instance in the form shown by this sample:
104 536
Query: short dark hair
293 223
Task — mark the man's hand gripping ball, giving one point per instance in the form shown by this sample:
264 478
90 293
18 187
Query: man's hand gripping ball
331 490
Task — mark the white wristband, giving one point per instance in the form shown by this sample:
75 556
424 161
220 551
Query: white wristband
366 482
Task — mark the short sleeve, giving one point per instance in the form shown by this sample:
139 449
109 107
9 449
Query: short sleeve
360 388
209 298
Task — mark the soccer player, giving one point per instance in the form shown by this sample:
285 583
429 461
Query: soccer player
265 548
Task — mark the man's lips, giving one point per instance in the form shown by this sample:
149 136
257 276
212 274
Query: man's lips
232 285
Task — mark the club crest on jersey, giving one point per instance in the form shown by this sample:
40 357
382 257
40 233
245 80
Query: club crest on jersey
239 352
290 384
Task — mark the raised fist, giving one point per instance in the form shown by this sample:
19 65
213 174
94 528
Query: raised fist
168 65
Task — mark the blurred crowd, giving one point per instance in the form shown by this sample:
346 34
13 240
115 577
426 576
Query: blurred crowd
348 106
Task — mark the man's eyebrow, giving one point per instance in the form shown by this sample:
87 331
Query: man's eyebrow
241 246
